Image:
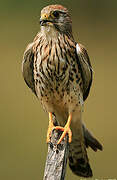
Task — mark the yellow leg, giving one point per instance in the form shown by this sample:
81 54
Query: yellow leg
50 127
66 130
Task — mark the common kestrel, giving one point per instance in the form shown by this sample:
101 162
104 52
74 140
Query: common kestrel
59 72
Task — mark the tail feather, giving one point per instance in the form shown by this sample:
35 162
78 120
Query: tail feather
80 168
90 141
78 159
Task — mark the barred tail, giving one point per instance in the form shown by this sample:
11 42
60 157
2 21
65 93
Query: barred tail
78 159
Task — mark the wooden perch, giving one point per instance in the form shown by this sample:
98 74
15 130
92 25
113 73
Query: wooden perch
56 161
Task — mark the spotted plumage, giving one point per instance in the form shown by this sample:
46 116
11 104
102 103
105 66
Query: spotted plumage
59 72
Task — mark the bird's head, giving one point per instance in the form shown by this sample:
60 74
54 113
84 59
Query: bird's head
56 17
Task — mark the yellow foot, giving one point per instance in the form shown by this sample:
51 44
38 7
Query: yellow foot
66 130
49 133
50 128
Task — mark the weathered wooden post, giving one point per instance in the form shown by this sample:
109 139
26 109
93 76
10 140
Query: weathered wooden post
56 161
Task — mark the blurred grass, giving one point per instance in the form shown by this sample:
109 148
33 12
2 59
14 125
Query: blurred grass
23 123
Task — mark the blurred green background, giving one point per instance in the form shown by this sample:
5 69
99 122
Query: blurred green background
23 124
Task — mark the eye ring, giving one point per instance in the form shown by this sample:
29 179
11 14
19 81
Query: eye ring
56 14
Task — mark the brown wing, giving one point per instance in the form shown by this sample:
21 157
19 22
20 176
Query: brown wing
86 69
27 67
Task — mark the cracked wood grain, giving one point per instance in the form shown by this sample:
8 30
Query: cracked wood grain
57 155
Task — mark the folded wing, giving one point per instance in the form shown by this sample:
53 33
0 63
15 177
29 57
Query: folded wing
86 69
28 68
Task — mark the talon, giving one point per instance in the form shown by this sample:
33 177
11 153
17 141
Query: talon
48 135
66 130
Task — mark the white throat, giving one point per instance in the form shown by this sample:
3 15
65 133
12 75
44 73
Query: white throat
50 32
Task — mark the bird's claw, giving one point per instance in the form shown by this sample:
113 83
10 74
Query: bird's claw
66 130
50 128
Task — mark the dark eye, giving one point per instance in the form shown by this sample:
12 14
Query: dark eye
56 14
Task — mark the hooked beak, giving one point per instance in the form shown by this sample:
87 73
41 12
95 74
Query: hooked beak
44 20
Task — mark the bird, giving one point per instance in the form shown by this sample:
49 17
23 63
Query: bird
58 71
